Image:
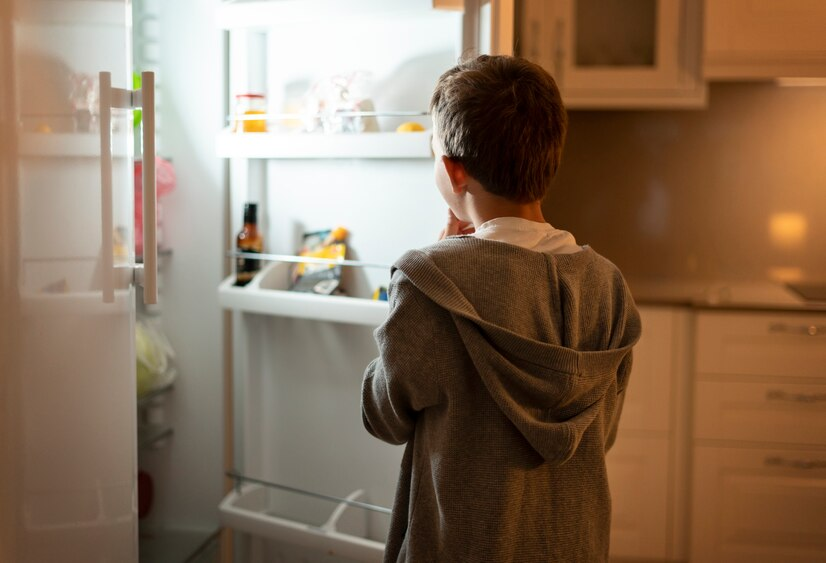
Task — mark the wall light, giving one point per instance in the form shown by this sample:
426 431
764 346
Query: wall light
788 230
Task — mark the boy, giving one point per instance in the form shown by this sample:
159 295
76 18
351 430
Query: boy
505 357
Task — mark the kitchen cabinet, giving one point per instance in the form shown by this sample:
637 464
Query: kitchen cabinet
759 437
647 465
748 39
618 53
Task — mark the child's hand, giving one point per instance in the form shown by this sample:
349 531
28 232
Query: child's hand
455 226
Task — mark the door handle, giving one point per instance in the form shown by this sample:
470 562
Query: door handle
107 247
150 190
127 99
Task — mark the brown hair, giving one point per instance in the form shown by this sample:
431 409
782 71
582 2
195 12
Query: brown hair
502 117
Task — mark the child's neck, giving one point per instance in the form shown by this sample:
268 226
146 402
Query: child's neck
491 207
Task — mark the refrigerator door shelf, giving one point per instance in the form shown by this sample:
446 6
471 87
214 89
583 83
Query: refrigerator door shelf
318 145
268 294
255 509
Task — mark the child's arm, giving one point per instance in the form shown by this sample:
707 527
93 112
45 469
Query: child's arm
623 372
401 381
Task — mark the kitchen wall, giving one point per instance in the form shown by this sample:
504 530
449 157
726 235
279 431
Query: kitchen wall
736 191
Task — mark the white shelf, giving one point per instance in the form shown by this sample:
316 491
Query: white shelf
310 145
69 145
255 510
259 14
267 294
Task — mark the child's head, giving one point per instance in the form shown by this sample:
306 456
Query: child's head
503 119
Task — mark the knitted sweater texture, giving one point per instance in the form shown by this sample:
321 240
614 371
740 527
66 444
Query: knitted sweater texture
503 371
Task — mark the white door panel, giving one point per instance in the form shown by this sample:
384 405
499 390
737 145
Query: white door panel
67 388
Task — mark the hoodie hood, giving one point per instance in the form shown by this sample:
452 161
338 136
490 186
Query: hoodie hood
551 388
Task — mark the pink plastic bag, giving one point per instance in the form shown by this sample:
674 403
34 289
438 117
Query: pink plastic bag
165 174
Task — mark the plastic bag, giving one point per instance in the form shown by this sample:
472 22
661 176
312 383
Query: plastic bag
154 356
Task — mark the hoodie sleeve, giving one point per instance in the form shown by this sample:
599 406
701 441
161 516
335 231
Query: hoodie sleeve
622 384
401 381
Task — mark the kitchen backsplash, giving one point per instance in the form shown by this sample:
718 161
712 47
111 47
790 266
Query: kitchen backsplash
735 191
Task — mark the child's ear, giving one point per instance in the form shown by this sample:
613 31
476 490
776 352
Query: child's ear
457 174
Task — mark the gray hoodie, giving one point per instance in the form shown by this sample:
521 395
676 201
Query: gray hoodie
503 370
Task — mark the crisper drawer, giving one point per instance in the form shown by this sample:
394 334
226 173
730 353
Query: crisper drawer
792 345
762 412
758 505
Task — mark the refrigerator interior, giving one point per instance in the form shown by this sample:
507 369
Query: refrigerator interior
299 359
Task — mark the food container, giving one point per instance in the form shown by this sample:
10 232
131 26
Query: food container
247 105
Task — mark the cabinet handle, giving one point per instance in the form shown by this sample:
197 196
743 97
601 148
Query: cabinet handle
780 395
778 461
811 330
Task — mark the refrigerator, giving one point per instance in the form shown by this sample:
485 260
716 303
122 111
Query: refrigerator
69 275
268 439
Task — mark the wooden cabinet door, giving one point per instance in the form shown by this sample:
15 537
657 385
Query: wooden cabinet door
760 412
638 475
764 38
762 344
649 396
754 505
616 53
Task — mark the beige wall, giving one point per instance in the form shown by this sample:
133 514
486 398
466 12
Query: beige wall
735 191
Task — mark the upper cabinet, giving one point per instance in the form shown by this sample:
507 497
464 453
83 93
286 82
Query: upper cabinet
616 53
765 39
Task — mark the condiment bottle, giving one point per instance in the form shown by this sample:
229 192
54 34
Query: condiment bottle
247 105
249 240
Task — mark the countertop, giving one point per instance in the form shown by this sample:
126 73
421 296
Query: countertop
757 295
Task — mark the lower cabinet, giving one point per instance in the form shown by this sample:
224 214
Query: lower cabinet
758 505
759 438
721 451
639 475
646 466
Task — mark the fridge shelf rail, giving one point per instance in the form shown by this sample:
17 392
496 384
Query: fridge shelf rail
349 500
302 518
295 259
268 294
